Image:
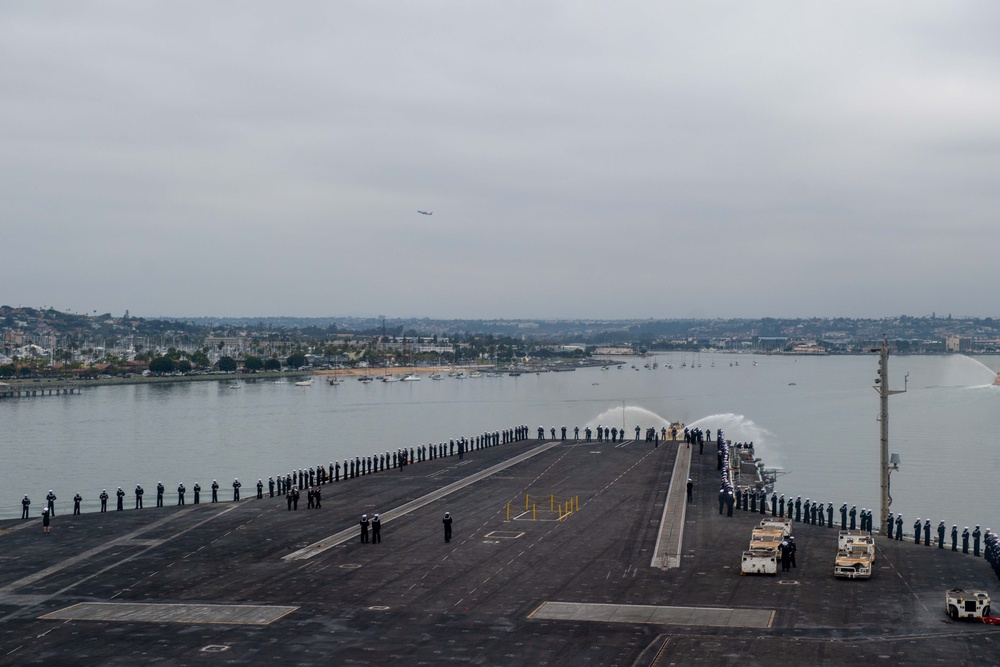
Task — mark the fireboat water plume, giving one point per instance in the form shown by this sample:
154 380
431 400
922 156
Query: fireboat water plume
738 428
633 416
964 371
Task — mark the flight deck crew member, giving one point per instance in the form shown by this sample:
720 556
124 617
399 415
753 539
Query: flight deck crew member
236 489
46 521
791 550
77 499
965 540
51 499
690 488
447 526
781 505
288 499
138 496
853 514
976 534
104 500
941 535
784 551
722 499
270 483
899 527
954 537
215 491
916 531
364 528
774 504
121 498
197 493
260 489
25 503
376 529
888 525
159 494
180 493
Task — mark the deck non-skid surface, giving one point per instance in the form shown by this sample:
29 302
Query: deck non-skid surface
112 588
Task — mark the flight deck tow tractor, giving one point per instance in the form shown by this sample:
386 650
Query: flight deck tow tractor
960 603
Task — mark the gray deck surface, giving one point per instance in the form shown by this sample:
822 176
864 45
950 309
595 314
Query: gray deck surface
580 591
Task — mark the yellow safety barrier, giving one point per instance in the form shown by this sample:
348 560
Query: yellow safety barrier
562 506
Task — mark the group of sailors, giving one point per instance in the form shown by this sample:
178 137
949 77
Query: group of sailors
976 536
309 479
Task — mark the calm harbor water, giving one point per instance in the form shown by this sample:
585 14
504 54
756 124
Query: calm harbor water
813 416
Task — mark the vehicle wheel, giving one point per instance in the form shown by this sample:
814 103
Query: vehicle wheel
953 611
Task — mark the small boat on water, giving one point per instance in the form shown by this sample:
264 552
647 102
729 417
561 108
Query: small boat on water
996 380
514 374
436 376
334 380
410 377
304 383
475 374
389 378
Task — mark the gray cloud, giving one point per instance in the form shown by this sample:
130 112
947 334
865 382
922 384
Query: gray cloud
627 160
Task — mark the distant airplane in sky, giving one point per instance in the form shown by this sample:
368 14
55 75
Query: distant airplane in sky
426 212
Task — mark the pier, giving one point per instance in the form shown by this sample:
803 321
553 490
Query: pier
252 582
26 389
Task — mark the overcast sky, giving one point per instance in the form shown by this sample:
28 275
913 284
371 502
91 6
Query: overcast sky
606 160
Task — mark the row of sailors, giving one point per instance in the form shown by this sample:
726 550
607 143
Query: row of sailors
993 551
609 434
305 478
813 513
810 512
924 529
402 457
727 497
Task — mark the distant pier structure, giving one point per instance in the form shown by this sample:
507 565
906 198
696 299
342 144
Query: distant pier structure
22 390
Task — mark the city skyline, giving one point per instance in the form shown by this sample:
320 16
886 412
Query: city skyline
580 161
